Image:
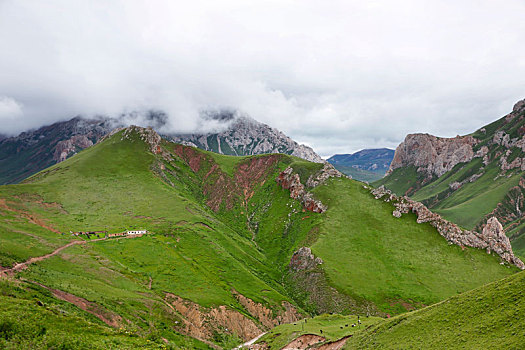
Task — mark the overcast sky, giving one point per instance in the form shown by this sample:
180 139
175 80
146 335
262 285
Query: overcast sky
337 75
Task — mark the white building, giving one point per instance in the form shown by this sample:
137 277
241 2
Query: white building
137 232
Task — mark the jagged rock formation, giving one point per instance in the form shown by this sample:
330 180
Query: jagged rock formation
322 175
65 148
464 171
303 259
147 135
292 181
245 136
492 238
433 155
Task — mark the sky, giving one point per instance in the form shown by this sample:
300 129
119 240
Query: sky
338 76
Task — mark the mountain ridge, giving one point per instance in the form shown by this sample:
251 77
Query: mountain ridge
468 179
34 150
245 136
229 251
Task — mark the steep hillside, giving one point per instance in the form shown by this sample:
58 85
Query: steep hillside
468 179
244 136
32 151
236 246
366 165
490 317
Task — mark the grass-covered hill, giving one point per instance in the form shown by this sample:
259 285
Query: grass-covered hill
489 184
222 260
489 317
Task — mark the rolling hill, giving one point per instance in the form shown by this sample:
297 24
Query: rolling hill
468 179
235 246
489 317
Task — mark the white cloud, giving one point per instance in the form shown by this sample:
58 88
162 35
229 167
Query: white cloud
10 112
338 75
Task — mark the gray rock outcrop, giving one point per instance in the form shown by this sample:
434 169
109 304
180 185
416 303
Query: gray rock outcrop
492 238
303 259
245 136
290 180
433 155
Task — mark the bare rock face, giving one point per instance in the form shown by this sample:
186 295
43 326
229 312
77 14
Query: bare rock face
433 155
147 135
492 238
291 181
202 323
303 259
324 174
242 136
267 317
65 148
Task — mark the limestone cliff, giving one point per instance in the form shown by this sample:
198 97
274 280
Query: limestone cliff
433 155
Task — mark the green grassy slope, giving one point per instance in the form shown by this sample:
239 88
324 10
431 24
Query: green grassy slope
401 180
492 191
392 261
31 318
490 317
111 186
331 327
221 225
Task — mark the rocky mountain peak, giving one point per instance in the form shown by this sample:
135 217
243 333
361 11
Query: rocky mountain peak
245 136
519 106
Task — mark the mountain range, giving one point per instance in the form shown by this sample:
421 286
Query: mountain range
245 136
115 236
234 247
35 150
366 165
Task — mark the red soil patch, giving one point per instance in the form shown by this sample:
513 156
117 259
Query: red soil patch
106 316
218 186
336 345
304 342
192 157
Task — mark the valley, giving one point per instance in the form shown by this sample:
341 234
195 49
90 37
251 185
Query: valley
235 247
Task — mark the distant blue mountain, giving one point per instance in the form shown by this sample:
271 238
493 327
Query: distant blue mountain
365 165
